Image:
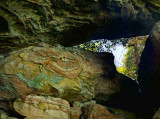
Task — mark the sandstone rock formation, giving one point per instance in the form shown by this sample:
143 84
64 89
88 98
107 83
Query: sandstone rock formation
97 112
68 73
40 107
37 107
69 22
76 110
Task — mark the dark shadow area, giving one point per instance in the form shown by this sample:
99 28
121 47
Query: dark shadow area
149 73
3 25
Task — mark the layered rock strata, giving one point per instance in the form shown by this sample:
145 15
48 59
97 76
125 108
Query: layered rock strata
69 73
70 22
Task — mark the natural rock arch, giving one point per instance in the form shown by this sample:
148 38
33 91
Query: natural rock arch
69 22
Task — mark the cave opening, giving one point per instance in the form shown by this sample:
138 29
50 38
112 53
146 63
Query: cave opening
127 52
127 56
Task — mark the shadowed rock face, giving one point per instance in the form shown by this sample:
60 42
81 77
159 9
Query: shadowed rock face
149 70
70 22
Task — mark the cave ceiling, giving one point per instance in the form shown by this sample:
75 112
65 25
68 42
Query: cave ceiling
71 22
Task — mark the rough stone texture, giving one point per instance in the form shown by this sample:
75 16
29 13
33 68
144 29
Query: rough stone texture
75 110
68 73
42 107
149 71
95 111
38 107
69 22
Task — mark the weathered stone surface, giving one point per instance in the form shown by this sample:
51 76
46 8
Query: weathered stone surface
76 110
149 71
95 111
38 107
42 107
69 22
69 73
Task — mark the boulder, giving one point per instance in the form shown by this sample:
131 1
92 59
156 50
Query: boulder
95 111
38 107
76 110
47 107
69 73
91 110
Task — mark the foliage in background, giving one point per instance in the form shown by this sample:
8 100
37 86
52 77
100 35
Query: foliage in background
131 59
134 47
103 45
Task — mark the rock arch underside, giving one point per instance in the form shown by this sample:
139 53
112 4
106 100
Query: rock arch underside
43 77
